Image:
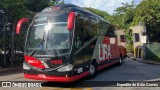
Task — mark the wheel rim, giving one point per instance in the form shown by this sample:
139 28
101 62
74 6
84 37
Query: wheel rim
92 69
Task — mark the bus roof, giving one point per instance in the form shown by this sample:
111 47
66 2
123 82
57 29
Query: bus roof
71 7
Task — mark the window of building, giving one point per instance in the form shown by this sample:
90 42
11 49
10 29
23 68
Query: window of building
122 38
137 37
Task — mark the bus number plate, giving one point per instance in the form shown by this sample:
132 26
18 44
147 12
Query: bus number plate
80 70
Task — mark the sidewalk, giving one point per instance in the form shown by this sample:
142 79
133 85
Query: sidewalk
4 70
147 61
131 56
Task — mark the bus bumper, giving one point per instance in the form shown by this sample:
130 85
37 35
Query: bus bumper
56 78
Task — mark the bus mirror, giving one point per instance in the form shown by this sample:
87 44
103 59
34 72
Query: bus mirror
20 23
71 19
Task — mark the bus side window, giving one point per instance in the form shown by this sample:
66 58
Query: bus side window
90 28
102 27
79 28
110 32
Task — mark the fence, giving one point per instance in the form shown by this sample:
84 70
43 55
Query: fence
152 51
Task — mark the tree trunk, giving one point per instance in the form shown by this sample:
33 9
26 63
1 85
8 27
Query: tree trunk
4 57
12 49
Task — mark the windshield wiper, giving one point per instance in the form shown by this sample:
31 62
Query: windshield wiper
41 43
54 51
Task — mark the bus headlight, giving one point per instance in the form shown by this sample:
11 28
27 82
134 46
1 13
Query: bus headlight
68 67
26 67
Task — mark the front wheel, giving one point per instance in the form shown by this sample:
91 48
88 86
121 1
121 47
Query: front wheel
92 70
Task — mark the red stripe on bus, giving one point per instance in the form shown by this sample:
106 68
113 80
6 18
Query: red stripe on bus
57 78
106 65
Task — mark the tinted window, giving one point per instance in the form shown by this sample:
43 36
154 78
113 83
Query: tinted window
79 29
102 27
110 31
91 27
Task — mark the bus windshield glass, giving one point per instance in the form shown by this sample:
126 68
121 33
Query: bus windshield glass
47 37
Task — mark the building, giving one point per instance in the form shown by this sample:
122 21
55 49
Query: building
139 39
121 37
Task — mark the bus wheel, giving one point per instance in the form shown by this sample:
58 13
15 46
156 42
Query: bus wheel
92 70
120 61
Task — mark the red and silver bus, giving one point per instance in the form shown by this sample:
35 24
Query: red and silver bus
65 43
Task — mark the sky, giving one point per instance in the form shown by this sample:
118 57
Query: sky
105 5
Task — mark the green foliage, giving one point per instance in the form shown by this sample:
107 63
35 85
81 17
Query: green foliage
14 10
129 40
38 5
130 48
148 13
122 18
103 14
124 15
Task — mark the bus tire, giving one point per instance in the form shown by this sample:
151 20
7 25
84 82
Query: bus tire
92 70
120 61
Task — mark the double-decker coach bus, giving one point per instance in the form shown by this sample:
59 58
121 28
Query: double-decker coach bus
65 43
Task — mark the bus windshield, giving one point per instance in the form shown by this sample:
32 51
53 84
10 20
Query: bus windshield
47 38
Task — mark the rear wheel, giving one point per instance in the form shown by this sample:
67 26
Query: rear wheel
92 70
120 61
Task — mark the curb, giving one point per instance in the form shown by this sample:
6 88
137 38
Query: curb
147 61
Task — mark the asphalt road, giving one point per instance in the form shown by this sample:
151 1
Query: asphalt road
129 72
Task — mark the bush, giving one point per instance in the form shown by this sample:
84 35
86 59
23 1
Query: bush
130 49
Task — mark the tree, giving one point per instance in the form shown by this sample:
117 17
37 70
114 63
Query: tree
17 9
124 15
13 10
103 14
39 5
148 13
123 18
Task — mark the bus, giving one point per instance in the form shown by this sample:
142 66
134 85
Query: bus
65 43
